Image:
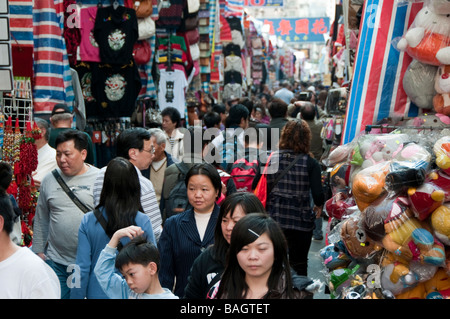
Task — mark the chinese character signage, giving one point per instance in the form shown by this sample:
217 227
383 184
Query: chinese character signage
299 29
263 3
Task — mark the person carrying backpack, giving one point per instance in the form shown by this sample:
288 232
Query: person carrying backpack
244 169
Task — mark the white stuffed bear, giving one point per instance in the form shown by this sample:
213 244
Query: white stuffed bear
428 38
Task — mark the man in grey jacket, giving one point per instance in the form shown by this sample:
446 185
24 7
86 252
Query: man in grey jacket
58 218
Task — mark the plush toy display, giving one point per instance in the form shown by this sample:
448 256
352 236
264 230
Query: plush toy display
428 38
368 185
441 101
333 257
393 224
418 83
358 244
442 151
440 222
430 195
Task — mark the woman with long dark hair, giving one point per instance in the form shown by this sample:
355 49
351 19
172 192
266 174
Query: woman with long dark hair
120 206
257 263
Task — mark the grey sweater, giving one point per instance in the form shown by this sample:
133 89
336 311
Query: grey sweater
57 218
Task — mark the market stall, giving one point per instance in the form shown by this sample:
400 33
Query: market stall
388 229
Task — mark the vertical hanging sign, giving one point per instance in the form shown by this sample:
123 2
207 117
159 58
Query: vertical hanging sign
6 77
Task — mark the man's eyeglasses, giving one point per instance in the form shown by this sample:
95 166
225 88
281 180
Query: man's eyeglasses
151 151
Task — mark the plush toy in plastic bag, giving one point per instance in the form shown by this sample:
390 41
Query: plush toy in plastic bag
440 222
392 223
418 83
441 101
442 151
334 257
409 167
428 38
369 184
430 195
399 277
358 244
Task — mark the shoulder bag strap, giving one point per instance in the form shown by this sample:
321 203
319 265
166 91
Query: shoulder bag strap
98 214
279 177
72 196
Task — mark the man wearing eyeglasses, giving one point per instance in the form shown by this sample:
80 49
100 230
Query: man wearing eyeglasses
137 145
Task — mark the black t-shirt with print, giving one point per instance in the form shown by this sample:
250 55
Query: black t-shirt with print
116 88
116 32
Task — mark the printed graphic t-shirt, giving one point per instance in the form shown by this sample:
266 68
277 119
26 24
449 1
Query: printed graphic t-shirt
172 85
116 32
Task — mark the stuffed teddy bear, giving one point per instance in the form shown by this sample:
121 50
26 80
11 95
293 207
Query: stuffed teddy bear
442 151
441 101
430 195
358 244
428 38
393 224
440 222
418 83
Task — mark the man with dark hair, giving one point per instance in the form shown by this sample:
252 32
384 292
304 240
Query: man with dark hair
277 109
137 145
58 218
61 120
251 108
23 275
211 120
227 147
222 110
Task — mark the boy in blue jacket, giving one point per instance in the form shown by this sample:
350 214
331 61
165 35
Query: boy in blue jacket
138 261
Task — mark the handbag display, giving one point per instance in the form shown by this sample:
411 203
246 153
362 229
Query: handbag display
146 28
143 8
142 52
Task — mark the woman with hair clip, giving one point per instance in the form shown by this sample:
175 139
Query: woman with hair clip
120 206
257 264
208 267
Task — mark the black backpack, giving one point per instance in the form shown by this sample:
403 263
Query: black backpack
178 195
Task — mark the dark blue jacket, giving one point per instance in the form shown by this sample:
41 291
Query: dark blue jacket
179 245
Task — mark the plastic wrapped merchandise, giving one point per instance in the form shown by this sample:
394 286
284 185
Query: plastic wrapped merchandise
369 184
440 222
393 225
442 151
428 38
358 244
408 168
430 195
